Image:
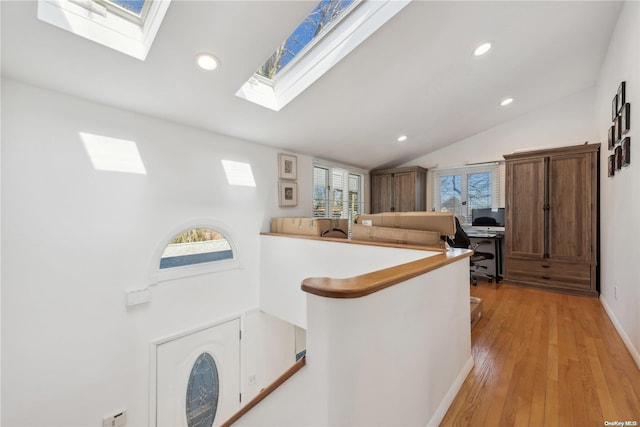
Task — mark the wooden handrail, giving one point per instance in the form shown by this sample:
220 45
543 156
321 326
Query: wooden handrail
266 391
365 284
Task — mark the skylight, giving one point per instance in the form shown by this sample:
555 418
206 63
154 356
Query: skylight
128 26
330 32
321 19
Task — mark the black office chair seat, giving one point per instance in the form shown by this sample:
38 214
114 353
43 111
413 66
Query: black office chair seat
461 240
476 258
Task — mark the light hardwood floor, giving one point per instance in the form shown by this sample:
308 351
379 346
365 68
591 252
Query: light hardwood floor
545 359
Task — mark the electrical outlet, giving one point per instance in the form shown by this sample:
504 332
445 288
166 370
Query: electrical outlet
252 379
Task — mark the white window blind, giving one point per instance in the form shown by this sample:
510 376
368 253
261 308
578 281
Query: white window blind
460 190
337 192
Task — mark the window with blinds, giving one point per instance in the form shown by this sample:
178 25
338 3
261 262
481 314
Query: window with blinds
337 193
460 190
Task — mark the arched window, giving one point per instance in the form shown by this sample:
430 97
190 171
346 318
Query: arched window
197 248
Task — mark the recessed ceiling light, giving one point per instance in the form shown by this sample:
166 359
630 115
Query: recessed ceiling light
482 49
506 102
208 62
402 138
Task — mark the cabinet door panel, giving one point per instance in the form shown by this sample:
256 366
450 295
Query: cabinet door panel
382 193
570 208
525 203
404 192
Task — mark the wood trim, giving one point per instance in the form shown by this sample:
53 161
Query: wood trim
366 284
398 170
266 391
584 148
358 242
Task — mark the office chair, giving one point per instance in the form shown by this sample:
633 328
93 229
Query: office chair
461 240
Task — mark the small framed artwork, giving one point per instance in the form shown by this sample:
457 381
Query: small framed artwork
617 131
626 116
621 97
626 151
612 165
288 193
614 107
287 166
611 130
618 157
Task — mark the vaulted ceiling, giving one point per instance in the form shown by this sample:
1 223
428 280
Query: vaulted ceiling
415 76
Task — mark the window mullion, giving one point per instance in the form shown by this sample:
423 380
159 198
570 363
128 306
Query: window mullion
464 198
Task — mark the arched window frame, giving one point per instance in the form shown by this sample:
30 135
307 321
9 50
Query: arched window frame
157 275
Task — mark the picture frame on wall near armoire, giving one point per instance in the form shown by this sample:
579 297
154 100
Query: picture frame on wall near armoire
618 144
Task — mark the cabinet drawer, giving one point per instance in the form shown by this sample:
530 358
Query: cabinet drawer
548 267
549 273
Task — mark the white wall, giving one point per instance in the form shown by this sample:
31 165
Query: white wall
75 239
566 122
280 292
395 357
264 332
620 195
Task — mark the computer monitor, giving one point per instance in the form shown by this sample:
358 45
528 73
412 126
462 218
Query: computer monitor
487 217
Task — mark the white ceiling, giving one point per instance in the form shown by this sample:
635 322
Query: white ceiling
414 76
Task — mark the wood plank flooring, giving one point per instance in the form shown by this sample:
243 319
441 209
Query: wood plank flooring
545 359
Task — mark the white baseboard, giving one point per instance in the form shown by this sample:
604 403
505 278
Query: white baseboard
625 338
451 394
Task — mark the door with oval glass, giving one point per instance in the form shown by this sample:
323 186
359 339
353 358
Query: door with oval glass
198 377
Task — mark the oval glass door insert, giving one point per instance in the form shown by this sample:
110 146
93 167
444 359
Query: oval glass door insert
203 391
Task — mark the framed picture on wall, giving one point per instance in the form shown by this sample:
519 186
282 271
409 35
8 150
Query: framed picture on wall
612 165
287 166
617 131
611 130
618 157
288 193
626 151
614 108
621 97
626 116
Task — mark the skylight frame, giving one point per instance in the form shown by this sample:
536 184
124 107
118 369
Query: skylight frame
353 29
104 24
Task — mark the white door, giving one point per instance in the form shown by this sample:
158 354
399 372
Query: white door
198 377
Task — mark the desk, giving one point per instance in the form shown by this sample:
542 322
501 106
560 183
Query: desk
497 251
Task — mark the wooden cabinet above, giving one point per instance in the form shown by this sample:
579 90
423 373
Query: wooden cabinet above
398 189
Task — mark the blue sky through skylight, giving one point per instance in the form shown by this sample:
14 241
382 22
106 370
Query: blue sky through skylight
321 17
133 6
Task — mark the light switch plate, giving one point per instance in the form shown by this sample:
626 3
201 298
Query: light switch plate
138 296
117 420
